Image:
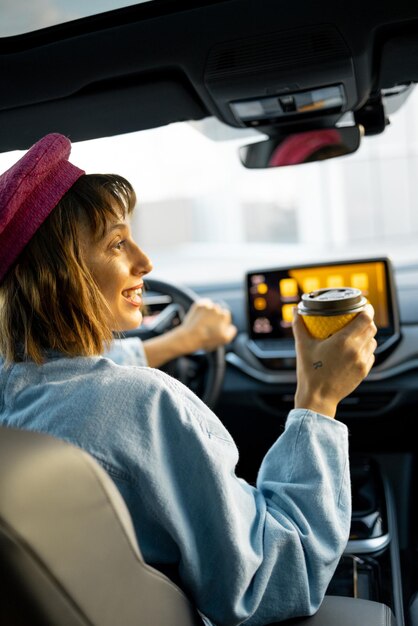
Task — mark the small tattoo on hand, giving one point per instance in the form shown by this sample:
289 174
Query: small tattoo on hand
317 364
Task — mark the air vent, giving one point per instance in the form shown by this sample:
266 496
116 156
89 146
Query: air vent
367 403
357 404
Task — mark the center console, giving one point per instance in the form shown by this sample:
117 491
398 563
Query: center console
370 566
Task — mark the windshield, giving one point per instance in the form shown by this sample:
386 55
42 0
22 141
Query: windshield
203 218
22 16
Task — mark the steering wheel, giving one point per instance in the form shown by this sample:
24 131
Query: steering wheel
203 372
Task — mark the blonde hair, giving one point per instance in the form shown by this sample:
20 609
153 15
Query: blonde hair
49 300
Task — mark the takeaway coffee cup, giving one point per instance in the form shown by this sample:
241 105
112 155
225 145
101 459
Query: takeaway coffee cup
327 310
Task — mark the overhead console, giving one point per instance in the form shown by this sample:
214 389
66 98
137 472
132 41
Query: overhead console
273 293
283 77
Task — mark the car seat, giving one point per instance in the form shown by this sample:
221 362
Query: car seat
69 555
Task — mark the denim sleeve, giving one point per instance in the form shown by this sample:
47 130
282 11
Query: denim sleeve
128 351
252 554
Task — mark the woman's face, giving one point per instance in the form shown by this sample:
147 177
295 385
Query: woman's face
118 266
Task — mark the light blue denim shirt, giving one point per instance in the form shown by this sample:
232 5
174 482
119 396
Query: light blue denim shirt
243 553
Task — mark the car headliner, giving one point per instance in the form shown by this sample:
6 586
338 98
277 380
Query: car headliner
164 61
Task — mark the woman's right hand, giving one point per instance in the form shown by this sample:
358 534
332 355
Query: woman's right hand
328 370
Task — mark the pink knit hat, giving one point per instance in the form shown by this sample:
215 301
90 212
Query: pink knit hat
29 190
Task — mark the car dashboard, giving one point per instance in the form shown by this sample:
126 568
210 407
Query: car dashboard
260 379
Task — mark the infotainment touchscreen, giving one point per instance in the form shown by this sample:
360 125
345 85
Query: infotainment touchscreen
273 293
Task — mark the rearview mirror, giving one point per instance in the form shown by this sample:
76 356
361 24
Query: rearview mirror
304 147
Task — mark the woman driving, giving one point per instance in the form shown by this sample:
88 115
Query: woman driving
71 275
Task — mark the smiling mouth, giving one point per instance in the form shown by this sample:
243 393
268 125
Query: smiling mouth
134 296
